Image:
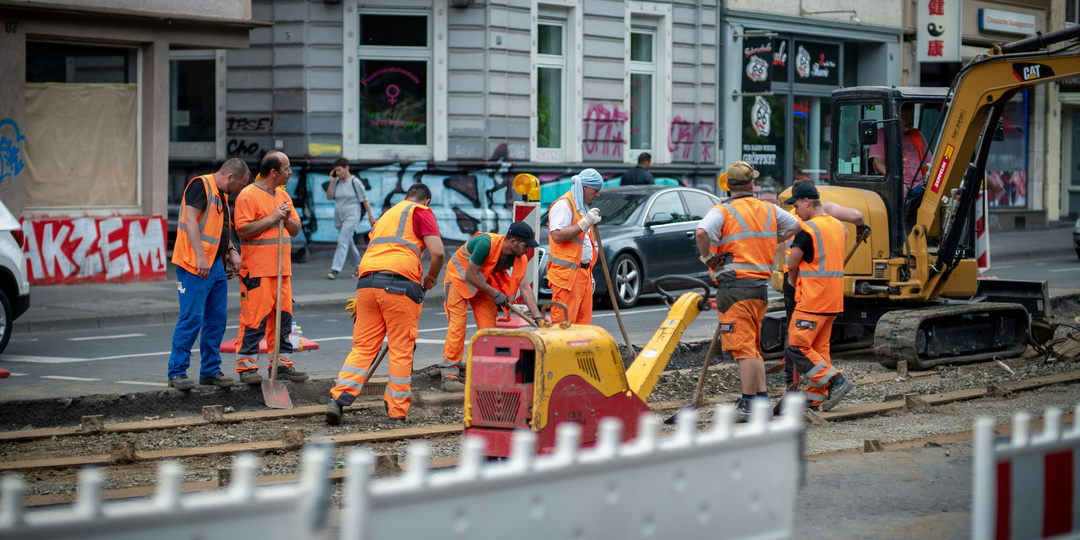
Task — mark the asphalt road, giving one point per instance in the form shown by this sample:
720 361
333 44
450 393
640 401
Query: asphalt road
132 359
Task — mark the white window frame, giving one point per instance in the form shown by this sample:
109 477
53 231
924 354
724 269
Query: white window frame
569 14
1076 13
640 16
435 54
217 148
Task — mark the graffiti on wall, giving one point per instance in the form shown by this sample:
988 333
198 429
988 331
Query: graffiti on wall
603 138
691 142
117 249
11 164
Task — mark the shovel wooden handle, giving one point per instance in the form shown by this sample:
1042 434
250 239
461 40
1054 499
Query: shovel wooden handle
699 392
611 291
277 304
517 311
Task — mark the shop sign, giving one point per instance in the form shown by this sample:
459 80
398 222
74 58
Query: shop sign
1007 22
817 63
757 64
1070 85
761 117
779 61
938 35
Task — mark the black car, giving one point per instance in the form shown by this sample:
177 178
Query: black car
647 232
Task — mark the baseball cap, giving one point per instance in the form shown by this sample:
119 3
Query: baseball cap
740 173
522 231
803 191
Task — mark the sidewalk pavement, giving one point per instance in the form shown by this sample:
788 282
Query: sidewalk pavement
110 305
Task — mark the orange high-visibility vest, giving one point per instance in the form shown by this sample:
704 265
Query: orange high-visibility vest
749 234
394 246
565 258
260 252
820 286
508 284
211 220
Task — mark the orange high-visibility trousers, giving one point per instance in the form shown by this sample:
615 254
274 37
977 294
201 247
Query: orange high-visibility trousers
577 299
257 298
740 329
381 314
808 347
456 308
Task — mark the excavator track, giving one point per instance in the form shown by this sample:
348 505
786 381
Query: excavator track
951 334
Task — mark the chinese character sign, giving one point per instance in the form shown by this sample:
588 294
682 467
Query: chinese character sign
938 30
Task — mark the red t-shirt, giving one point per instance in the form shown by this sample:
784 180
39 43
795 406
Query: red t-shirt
424 223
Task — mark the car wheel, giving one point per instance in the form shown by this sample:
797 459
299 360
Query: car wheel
5 321
1078 253
626 279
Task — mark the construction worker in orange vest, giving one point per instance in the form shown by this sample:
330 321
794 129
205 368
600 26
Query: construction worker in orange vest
843 213
259 208
389 297
478 276
737 240
202 280
573 253
816 270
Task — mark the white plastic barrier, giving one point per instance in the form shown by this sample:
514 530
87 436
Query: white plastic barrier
1028 487
726 482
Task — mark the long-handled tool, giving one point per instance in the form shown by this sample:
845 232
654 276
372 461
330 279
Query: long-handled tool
698 398
858 240
274 392
517 311
611 291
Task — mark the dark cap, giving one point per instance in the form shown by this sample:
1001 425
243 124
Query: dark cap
523 232
803 191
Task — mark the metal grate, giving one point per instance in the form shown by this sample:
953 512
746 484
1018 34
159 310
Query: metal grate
588 365
496 406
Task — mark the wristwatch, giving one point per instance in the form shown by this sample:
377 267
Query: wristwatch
233 248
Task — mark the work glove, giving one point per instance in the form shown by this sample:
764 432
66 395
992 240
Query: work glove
350 308
539 321
501 300
862 231
589 219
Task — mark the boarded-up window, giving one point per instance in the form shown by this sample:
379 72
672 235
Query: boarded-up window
81 145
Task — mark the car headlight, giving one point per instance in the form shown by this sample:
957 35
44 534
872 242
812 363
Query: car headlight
1076 226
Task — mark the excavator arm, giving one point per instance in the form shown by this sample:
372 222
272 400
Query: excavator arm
973 109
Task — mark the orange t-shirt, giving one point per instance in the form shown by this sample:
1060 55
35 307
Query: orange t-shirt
259 253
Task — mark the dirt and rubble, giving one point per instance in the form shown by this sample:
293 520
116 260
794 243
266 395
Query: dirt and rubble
873 384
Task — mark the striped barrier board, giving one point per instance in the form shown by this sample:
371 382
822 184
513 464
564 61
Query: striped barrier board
1029 486
529 212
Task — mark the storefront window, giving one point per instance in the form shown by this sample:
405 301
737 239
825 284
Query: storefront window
1006 166
817 63
811 121
394 59
192 97
763 141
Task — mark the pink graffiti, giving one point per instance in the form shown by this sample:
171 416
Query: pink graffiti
685 136
604 130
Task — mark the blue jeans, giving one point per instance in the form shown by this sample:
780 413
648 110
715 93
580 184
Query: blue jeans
203 304
346 249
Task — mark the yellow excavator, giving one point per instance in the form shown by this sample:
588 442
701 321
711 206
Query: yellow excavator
913 286
536 379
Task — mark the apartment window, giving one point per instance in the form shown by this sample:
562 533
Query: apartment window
192 97
642 88
1072 12
394 57
550 83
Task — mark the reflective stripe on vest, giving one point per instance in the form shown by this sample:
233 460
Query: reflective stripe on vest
211 220
394 246
820 285
820 256
749 235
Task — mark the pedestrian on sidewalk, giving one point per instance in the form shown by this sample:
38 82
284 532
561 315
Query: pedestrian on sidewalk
816 270
483 273
260 207
350 204
389 297
737 241
202 284
639 175
573 252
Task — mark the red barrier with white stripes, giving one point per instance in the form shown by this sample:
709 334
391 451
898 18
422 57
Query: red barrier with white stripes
529 212
1028 487
982 238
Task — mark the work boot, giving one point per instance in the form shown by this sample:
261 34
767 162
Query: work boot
290 373
452 383
839 386
742 410
250 376
333 412
181 382
397 422
218 379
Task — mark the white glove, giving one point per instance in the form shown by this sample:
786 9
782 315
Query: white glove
589 219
